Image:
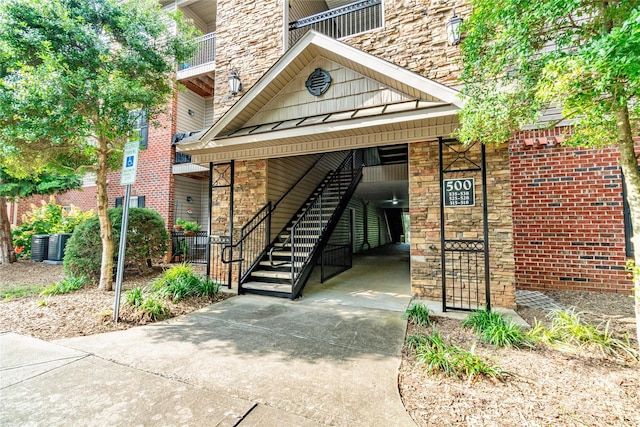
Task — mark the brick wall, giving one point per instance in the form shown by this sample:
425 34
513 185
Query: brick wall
460 223
154 178
567 216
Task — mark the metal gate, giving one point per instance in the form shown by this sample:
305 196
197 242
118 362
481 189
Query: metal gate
464 240
220 177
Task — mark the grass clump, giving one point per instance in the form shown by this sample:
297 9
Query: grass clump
437 355
66 285
10 293
418 314
493 329
568 332
180 282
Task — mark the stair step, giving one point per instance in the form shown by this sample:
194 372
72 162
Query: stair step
272 274
298 245
268 287
287 254
279 265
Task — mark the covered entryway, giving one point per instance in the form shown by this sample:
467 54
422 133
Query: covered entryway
325 98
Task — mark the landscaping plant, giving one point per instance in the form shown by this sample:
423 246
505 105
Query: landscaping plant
180 281
418 314
492 328
66 285
568 332
147 239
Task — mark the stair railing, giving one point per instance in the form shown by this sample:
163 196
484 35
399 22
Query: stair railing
255 235
308 232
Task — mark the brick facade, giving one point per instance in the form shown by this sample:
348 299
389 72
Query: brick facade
568 216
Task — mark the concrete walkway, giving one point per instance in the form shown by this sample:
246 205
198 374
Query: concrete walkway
247 361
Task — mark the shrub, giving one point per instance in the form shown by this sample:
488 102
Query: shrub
180 281
493 329
418 314
66 285
134 297
154 309
147 239
49 218
568 332
437 355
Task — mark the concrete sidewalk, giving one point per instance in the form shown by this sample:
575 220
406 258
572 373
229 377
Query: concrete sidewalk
247 361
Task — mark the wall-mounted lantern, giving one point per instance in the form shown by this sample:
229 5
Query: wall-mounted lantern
454 28
235 85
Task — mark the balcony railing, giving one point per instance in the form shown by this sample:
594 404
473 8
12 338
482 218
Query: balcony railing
354 18
205 54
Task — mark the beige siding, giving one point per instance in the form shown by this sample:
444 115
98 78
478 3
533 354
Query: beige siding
188 100
385 173
208 112
303 8
349 90
282 173
197 21
196 189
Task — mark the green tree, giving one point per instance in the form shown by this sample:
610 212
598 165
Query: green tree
521 57
71 72
12 188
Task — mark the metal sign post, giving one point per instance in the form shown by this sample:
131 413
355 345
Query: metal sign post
128 177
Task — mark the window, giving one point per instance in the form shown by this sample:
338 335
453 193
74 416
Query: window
134 201
141 125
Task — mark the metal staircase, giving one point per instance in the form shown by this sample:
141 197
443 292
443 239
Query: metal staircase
284 266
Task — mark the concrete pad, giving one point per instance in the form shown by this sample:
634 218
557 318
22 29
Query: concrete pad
91 391
18 350
265 416
333 365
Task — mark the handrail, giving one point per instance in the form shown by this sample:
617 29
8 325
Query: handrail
333 13
244 234
327 185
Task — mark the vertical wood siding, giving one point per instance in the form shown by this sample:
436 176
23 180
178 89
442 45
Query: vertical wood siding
377 230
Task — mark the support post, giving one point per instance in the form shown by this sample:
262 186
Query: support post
121 251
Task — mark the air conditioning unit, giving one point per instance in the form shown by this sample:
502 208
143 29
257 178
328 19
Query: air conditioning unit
57 242
39 247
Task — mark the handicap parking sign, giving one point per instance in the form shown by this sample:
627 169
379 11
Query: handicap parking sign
129 163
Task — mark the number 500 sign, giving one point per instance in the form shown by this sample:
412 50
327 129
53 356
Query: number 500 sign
459 192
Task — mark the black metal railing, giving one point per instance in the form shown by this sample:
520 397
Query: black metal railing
307 232
251 245
464 277
334 260
181 158
189 248
255 235
354 18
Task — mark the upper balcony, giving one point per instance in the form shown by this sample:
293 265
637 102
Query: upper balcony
343 20
197 72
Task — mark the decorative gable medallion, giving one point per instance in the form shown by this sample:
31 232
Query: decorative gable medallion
318 82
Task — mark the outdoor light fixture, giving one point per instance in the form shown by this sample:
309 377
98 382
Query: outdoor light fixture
191 113
394 201
453 28
235 85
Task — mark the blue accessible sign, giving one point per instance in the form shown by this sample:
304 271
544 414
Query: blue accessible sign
130 163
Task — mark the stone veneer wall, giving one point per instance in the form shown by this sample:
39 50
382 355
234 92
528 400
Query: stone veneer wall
567 215
461 223
414 37
249 38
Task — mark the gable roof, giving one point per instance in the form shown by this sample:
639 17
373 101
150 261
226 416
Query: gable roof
431 99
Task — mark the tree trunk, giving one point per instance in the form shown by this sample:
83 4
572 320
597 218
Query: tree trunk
629 164
106 229
7 255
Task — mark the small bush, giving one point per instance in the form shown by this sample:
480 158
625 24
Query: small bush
437 355
154 309
418 314
134 297
568 332
147 239
66 285
180 281
493 329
